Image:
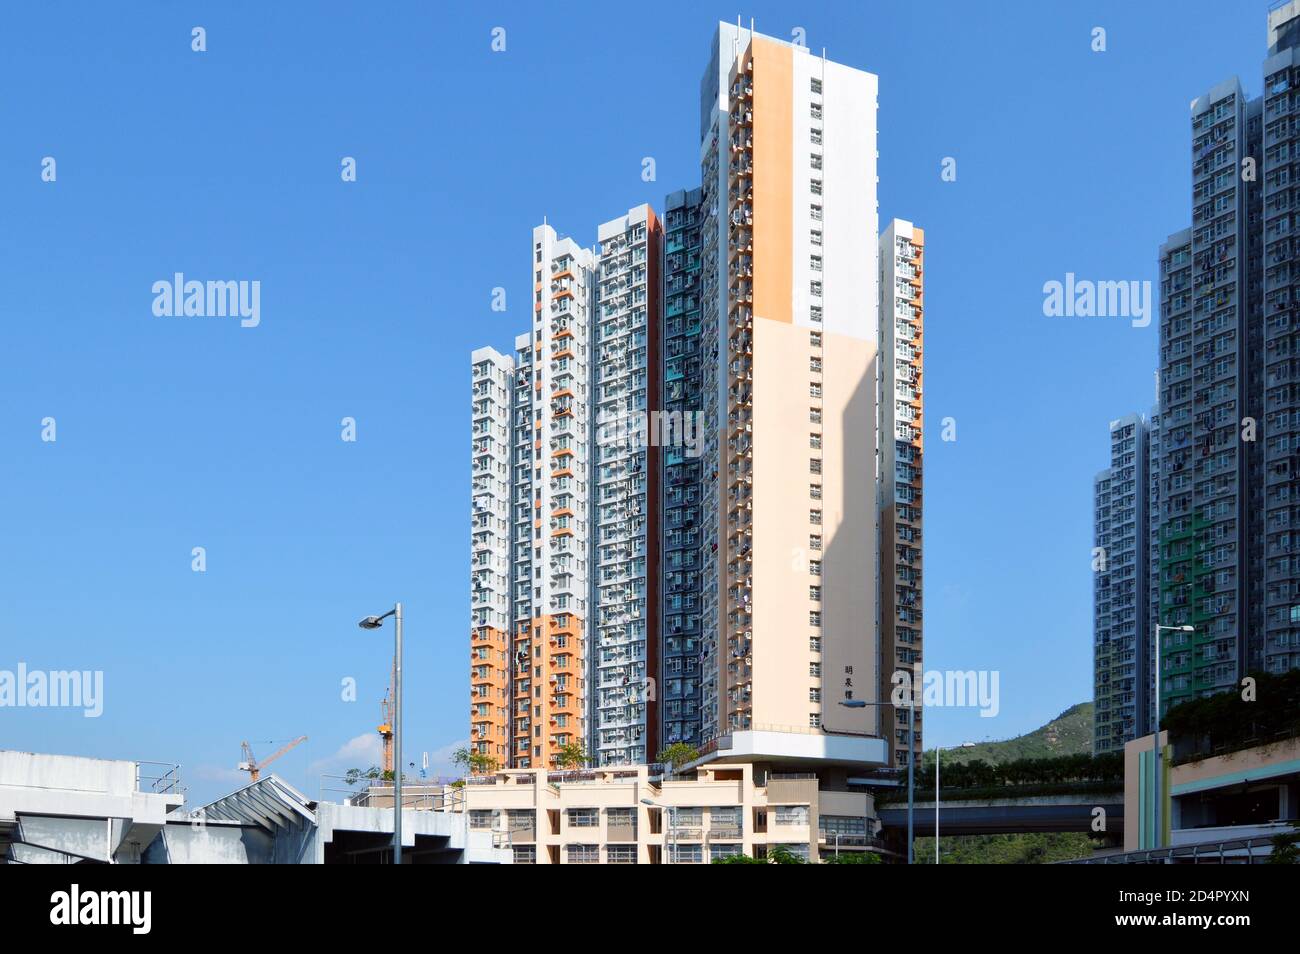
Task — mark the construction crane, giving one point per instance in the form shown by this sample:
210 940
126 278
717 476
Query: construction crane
254 767
385 728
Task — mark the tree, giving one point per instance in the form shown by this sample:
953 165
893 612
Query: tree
354 775
1286 847
473 761
854 858
678 754
781 855
572 755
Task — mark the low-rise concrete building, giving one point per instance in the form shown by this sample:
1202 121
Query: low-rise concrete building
58 809
639 814
1226 806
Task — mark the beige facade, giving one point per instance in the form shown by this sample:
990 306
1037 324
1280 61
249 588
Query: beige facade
601 816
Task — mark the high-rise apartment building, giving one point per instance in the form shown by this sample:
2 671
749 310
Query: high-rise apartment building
626 384
900 490
681 526
695 509
788 160
1121 588
1229 401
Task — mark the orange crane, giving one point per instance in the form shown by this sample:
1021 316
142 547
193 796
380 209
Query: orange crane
385 728
254 767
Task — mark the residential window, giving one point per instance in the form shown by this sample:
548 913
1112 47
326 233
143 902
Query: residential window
686 854
815 516
815 186
815 465
814 695
816 161
815 288
792 815
724 850
815 644
815 313
816 212
582 854
815 263
815 542
814 720
480 818
621 854
584 817
525 854
815 135
815 567
815 339
814 440
814 618
815 670
817 86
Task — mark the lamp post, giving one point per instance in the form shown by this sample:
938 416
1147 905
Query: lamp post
911 754
1158 832
672 826
374 622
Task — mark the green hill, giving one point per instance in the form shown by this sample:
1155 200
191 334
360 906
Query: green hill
1070 733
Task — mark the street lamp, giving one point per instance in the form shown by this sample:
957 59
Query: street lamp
672 826
1158 831
911 755
964 745
374 622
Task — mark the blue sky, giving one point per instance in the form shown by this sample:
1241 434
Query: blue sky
225 165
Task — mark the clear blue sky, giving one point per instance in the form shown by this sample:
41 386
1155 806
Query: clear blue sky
225 165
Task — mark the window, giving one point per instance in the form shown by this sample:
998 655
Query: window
814 516
815 237
525 854
792 815
815 313
816 111
815 491
817 86
815 186
815 263
724 816
816 212
584 817
814 695
582 854
815 135
621 817
814 618
814 440
815 644
814 415
815 567
621 854
480 818
686 854
815 339
814 465
815 542
814 720
815 161
724 850
815 670
814 592
815 288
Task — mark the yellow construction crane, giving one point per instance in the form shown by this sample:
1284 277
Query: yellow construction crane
254 767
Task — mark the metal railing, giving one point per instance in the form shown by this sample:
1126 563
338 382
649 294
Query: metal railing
159 778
